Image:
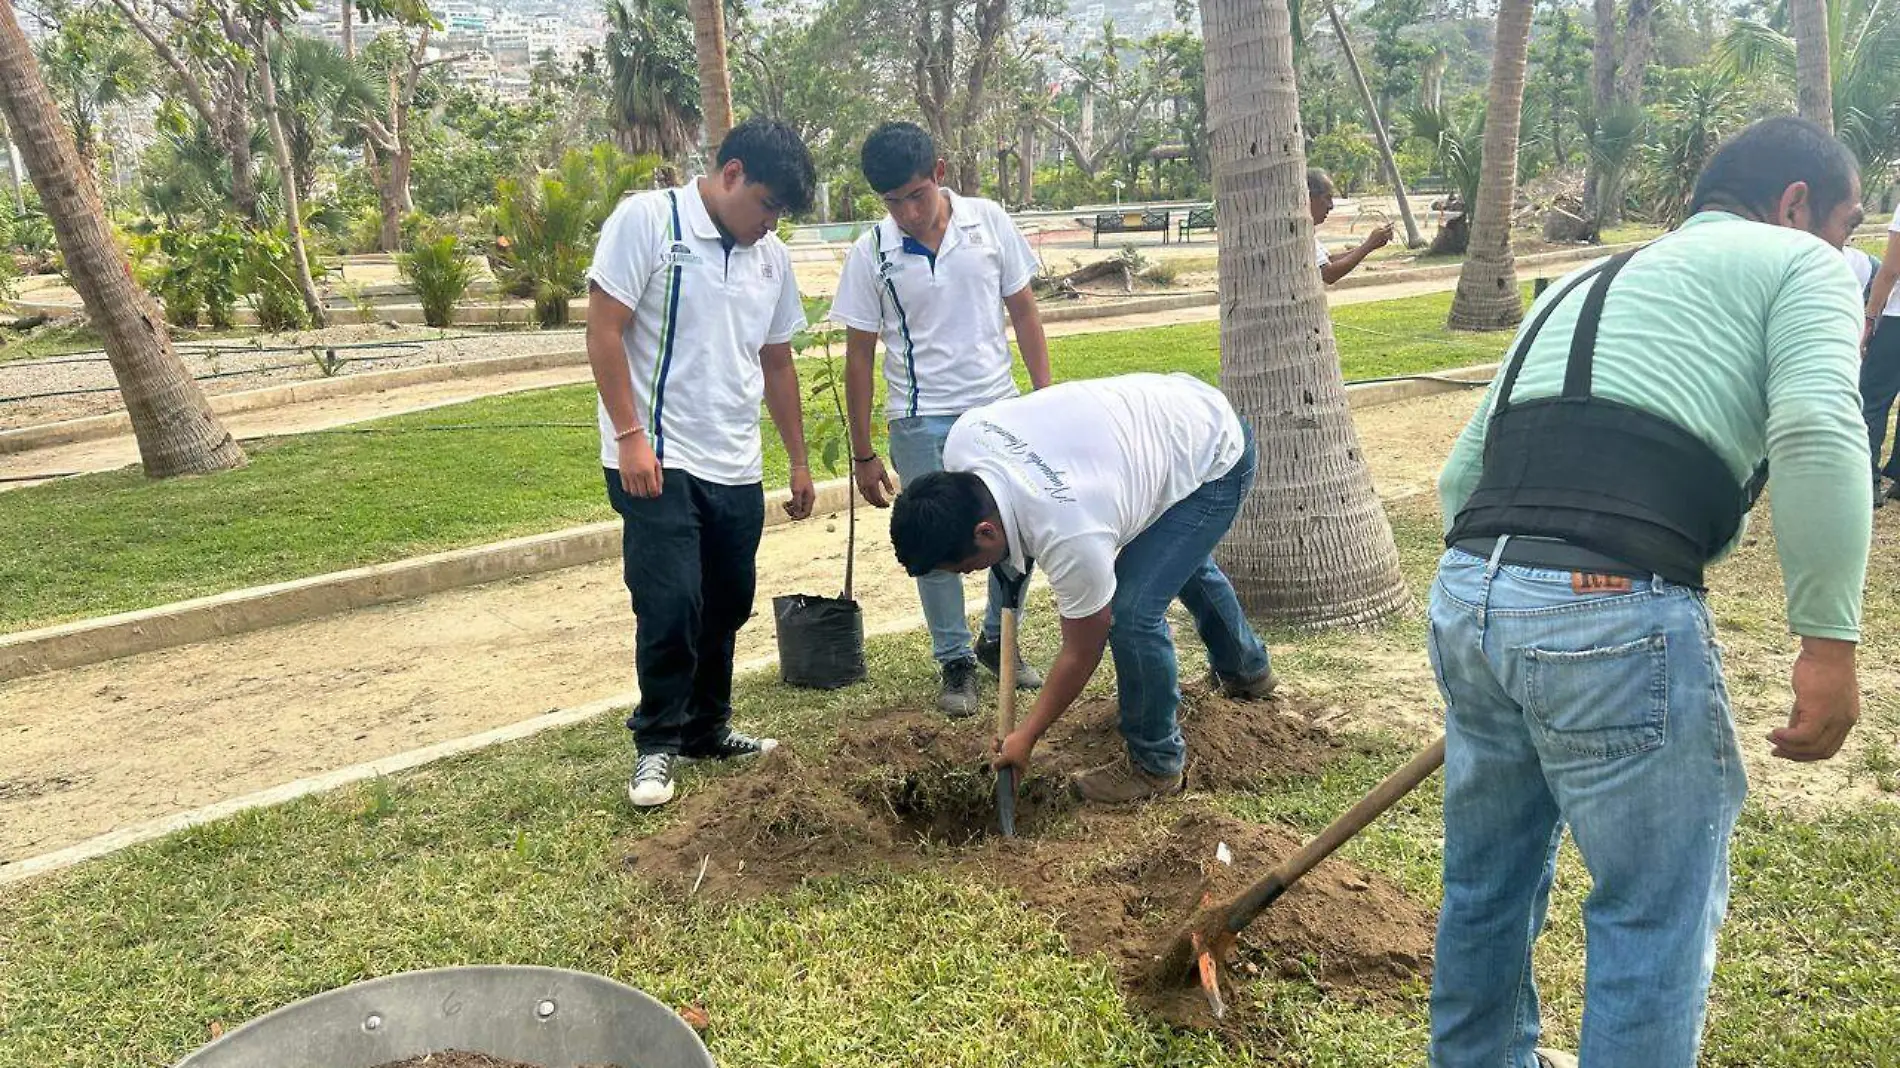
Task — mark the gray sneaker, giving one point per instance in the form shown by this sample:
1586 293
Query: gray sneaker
989 653
652 782
959 696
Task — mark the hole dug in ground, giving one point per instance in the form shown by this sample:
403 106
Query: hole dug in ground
910 792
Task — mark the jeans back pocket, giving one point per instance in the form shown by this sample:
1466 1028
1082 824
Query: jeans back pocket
1601 703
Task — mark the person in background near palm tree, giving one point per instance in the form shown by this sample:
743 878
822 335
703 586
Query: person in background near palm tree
1880 361
1320 194
691 308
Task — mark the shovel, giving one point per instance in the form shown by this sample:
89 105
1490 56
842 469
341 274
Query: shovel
1006 695
1005 723
1199 950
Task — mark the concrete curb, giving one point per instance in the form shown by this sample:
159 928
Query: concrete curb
116 424
91 641
113 841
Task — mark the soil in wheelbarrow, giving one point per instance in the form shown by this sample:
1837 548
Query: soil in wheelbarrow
459 1058
909 791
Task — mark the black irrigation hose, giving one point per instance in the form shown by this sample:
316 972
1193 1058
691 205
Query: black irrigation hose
201 378
422 429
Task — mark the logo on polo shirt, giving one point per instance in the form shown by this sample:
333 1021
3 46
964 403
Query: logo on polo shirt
679 254
767 271
977 238
888 268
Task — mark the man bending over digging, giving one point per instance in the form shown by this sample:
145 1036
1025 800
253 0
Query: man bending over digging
1118 489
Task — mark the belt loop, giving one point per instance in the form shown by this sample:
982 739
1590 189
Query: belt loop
1484 593
1656 583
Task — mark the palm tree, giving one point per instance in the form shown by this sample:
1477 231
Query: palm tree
93 61
260 31
715 82
1312 546
1487 297
654 77
1863 59
176 429
1814 86
318 88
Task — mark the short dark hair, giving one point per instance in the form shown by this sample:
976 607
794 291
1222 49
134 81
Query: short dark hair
1319 183
933 522
775 157
1752 169
896 154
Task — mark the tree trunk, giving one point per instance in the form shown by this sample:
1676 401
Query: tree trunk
392 191
1814 82
1311 546
1412 238
715 84
177 432
1632 59
349 28
1602 102
1026 166
287 181
1487 297
237 145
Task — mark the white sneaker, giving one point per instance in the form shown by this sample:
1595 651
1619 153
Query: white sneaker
652 782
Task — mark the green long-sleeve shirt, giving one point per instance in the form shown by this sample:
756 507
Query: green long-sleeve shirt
1748 336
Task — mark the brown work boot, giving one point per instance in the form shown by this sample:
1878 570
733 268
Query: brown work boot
1120 782
1258 688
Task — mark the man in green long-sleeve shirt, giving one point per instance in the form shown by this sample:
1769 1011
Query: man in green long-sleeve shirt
1617 454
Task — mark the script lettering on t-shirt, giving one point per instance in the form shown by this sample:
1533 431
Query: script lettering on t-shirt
1016 448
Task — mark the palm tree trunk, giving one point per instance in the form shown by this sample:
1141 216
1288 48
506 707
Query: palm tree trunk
1311 546
348 25
287 180
1412 238
715 83
1814 82
177 432
1488 298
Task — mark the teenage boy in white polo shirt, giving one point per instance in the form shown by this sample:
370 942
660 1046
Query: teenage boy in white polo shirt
1118 489
691 311
933 278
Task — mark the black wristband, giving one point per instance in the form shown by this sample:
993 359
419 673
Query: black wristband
863 459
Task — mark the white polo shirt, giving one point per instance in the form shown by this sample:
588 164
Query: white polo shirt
1080 469
1319 248
1865 265
701 311
945 350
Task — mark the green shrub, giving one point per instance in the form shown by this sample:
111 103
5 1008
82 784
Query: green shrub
440 272
270 282
546 225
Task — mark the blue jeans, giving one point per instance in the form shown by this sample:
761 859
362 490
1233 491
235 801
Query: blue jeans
1174 558
1606 712
917 450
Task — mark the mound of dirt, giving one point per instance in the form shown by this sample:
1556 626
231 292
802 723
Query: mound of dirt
909 790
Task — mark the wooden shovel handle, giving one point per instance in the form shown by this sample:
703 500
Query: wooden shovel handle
1255 899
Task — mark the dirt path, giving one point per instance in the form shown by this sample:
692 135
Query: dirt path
18 470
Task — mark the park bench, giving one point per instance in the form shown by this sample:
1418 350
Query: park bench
1133 222
1197 219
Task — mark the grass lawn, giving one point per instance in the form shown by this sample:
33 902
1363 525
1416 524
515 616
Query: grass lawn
314 503
519 854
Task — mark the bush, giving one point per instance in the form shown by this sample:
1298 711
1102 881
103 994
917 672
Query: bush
546 225
1348 154
9 274
441 273
270 282
194 273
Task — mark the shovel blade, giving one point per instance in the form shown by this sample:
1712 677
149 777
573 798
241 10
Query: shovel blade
1006 802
